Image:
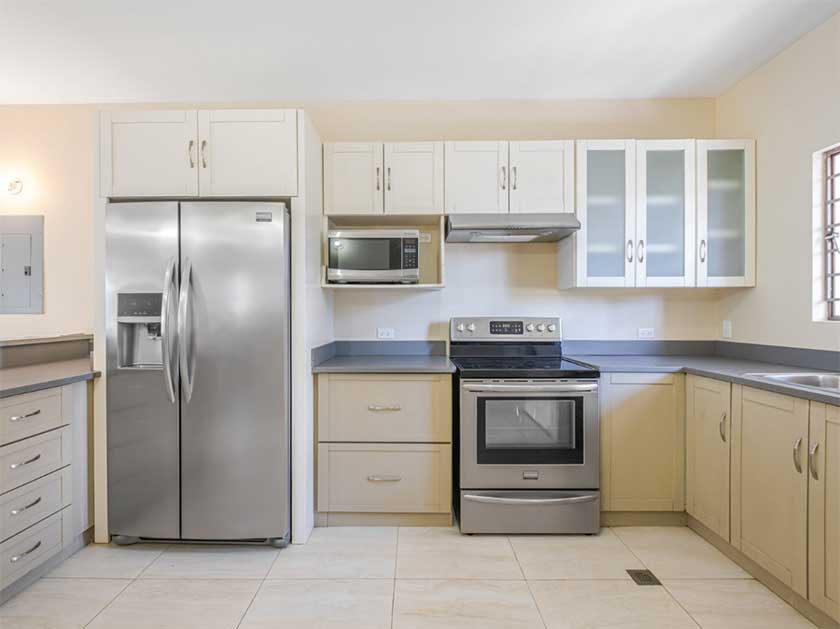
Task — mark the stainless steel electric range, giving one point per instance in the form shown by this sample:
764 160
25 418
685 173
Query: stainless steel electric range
526 429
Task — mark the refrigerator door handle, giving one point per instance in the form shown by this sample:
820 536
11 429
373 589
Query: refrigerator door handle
185 332
166 325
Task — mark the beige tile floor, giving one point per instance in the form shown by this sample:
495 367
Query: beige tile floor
407 578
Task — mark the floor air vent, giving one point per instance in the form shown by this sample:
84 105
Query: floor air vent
643 577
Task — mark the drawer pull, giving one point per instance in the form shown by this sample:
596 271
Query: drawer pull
14 466
20 510
17 418
17 558
388 478
529 501
384 407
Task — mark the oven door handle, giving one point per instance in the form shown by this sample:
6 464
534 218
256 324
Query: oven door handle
529 388
497 500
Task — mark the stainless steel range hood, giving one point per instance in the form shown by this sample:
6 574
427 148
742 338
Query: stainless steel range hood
510 228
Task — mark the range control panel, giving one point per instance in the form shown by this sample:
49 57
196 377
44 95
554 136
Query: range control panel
505 329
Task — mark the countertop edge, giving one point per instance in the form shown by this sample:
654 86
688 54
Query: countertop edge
48 384
386 364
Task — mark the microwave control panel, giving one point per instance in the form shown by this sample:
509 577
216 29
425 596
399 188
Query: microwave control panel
409 253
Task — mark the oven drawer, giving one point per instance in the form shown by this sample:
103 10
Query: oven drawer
25 415
385 408
385 477
32 458
530 512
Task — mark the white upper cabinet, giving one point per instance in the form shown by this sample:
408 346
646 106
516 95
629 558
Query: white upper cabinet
353 178
725 213
148 154
477 177
247 152
414 177
222 153
604 248
665 213
542 176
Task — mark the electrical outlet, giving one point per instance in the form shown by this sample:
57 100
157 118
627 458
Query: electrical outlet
726 329
425 238
384 333
645 333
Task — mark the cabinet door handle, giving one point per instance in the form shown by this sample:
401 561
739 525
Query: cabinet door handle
17 418
812 460
387 478
388 186
504 177
384 407
378 187
703 250
203 154
190 153
640 251
15 466
17 558
515 180
629 250
20 510
722 427
796 462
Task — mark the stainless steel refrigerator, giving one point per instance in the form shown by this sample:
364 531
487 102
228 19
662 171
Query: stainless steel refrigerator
198 381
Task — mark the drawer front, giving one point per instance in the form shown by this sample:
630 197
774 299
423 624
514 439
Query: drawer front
23 507
29 549
25 415
385 408
26 460
385 478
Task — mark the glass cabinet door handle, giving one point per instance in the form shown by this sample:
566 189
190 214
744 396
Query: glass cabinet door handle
629 250
703 250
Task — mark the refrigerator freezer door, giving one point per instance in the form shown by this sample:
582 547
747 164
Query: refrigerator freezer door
235 426
143 433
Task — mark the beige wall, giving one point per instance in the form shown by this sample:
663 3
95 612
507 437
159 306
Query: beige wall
50 148
791 106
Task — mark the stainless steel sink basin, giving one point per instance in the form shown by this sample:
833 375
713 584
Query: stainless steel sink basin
830 381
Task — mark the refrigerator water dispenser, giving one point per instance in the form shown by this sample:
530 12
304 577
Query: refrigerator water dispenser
139 342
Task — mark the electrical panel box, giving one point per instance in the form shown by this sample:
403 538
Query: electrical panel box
21 264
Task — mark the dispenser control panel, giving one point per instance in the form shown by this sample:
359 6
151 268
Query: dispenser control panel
139 304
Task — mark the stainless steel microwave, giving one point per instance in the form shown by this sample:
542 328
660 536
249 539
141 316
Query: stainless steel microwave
373 256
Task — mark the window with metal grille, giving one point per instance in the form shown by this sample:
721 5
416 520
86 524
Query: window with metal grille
832 233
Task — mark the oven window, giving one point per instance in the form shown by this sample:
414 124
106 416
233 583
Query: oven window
530 430
365 254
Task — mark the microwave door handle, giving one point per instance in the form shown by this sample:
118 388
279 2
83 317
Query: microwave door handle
529 501
530 388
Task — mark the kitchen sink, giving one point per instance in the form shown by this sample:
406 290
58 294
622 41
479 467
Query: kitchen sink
830 381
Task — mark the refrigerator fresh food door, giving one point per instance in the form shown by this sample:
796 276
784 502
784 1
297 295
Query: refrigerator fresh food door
141 287
234 345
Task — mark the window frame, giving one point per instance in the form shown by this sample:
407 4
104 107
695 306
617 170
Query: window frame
831 230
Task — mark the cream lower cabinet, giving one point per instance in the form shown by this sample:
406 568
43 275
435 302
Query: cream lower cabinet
707 452
642 436
770 483
824 509
384 447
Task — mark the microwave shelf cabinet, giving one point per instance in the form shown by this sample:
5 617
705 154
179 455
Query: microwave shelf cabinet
432 231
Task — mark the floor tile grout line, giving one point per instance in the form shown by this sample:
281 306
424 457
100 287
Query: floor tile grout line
394 585
677 601
527 584
108 604
516 557
251 603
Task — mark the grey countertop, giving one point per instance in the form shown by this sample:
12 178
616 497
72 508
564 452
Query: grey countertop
385 364
729 369
17 380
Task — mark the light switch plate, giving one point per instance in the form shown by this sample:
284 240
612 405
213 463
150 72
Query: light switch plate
384 333
726 329
646 333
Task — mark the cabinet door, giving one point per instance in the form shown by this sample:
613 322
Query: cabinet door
353 178
665 213
248 153
824 509
770 483
542 176
606 206
414 177
642 437
148 154
477 177
725 213
707 452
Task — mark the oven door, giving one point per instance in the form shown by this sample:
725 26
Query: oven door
529 434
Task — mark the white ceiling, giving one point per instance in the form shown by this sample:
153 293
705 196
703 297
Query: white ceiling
75 51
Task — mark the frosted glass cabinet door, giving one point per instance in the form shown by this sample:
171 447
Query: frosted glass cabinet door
725 213
665 213
606 204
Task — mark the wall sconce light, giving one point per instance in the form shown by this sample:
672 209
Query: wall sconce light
15 185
